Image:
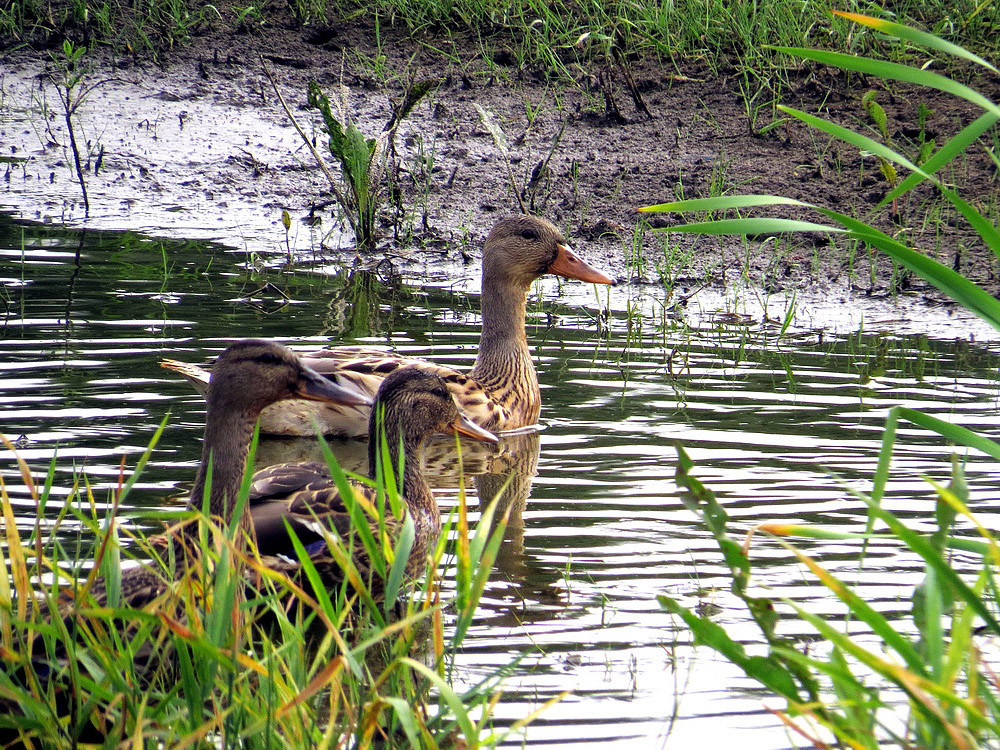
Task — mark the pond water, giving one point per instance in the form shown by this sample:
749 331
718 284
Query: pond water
598 528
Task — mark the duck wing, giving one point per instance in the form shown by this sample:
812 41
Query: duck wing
305 496
366 368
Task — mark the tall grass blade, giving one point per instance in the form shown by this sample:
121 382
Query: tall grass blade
956 286
916 36
359 522
956 145
919 689
859 141
465 722
856 700
477 559
923 547
765 670
722 203
863 611
895 71
953 432
143 459
754 225
394 581
407 719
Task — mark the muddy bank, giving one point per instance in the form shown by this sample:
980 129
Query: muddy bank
201 148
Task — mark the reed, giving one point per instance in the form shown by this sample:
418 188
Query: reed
235 655
952 283
845 691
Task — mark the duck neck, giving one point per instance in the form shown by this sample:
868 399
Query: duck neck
415 490
504 366
226 448
503 305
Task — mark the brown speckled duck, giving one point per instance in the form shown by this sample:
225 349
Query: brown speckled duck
410 406
248 376
499 393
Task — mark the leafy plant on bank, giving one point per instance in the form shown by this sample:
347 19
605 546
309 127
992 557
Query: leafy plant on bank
220 662
369 167
953 697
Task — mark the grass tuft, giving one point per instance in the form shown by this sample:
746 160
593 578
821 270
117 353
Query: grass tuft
234 653
846 688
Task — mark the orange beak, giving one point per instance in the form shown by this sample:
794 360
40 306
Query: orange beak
567 264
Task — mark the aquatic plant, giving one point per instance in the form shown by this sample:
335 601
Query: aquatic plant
850 690
222 663
953 697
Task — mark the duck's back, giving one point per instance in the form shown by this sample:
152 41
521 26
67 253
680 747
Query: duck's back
367 368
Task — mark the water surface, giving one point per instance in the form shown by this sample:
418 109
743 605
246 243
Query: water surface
776 422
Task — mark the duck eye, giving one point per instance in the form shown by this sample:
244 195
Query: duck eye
529 234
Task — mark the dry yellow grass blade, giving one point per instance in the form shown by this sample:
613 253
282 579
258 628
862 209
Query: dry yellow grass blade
316 684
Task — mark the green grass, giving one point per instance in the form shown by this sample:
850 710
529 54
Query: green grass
555 36
716 33
137 27
952 700
217 663
836 224
844 687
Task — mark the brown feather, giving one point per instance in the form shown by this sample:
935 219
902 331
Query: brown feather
500 392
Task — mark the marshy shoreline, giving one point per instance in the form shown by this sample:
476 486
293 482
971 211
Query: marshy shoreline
198 146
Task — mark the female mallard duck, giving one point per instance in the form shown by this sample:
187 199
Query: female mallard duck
248 376
411 405
499 393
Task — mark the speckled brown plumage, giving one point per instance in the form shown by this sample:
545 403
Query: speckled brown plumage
411 405
501 391
248 376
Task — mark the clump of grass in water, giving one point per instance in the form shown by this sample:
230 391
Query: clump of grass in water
235 655
954 699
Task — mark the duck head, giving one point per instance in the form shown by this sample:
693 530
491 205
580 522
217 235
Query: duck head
521 248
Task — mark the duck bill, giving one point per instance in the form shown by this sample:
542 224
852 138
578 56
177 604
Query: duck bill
315 387
569 265
465 426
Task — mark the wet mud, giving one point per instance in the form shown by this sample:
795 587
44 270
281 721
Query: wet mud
200 146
